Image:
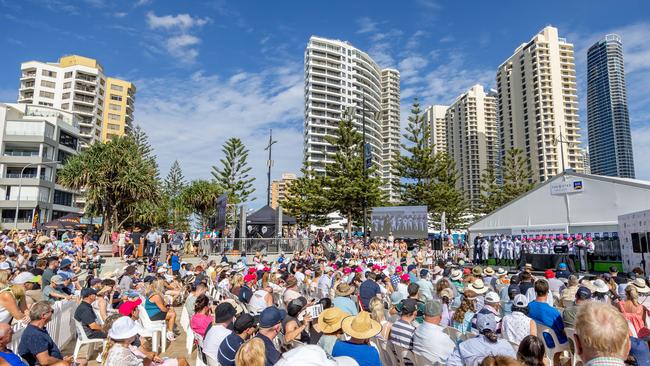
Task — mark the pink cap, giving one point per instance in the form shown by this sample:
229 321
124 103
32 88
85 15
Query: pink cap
347 270
358 270
405 277
398 269
579 237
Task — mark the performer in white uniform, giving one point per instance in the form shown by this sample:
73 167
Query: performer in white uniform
496 244
485 246
517 250
510 250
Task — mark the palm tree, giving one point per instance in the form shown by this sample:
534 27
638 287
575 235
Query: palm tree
116 178
200 197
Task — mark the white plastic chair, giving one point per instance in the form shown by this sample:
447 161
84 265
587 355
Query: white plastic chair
385 352
421 360
185 324
200 356
559 348
211 360
83 339
455 334
152 329
570 334
403 354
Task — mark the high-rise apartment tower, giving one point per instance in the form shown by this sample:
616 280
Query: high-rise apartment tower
435 116
608 120
472 138
538 105
338 77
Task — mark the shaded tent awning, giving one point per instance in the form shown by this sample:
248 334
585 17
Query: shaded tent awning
69 221
268 216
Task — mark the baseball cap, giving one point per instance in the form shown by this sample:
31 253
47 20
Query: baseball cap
398 269
424 272
492 297
95 281
56 279
405 277
88 291
64 263
396 297
562 266
23 278
296 305
486 321
583 293
243 322
549 273
149 278
432 308
409 306
224 312
613 269
271 316
128 306
411 267
520 301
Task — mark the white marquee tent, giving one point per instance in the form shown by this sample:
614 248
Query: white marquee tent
568 203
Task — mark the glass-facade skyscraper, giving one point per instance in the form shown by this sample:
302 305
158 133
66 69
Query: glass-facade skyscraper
608 121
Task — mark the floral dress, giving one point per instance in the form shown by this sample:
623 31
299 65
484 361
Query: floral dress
121 356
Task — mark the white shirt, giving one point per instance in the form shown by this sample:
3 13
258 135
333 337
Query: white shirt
515 327
300 277
213 339
430 341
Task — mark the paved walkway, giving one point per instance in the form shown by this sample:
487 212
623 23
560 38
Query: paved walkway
175 349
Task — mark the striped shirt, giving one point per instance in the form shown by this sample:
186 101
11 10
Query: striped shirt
605 361
401 334
228 350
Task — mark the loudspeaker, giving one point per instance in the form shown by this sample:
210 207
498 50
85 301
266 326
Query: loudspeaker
437 243
636 244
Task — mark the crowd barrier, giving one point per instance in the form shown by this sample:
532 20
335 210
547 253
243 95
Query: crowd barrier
61 328
218 246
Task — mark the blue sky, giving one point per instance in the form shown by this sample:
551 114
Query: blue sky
209 70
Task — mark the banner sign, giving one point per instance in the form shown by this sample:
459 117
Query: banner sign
400 221
570 186
540 230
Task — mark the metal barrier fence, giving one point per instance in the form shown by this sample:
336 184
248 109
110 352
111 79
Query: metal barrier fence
251 245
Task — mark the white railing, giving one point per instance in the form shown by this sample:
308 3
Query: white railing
61 328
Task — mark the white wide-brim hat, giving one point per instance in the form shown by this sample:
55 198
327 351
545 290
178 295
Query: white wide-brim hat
124 328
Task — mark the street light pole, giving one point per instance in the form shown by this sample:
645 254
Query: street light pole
20 186
268 174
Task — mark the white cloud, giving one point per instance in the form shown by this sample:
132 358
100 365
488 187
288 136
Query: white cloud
142 2
178 39
190 118
366 25
182 47
178 21
120 14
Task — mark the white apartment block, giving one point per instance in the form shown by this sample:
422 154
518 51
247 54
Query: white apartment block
390 127
538 102
33 139
472 138
337 78
76 84
435 117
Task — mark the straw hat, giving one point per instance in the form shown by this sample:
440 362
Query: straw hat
640 286
343 289
478 286
488 271
330 320
456 274
600 286
361 326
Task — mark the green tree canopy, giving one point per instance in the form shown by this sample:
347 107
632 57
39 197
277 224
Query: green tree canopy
346 186
116 177
517 180
233 175
200 197
175 181
305 199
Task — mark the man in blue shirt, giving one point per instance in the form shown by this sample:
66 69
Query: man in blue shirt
270 325
541 312
244 327
36 346
368 289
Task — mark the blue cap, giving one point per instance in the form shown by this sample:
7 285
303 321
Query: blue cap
64 263
424 272
271 316
411 267
562 266
64 275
